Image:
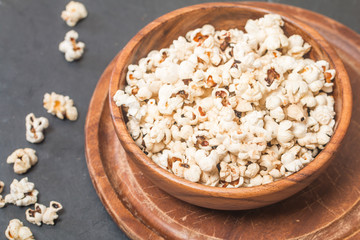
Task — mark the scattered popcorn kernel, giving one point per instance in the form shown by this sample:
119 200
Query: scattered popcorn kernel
1 186
231 108
51 213
2 201
73 50
43 214
23 160
22 193
17 231
35 127
35 216
60 106
74 11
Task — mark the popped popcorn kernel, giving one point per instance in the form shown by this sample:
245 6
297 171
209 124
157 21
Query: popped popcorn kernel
17 231
22 193
73 50
74 11
23 160
35 127
60 106
43 214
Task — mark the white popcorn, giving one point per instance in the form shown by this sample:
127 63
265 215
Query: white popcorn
168 74
275 173
1 186
323 114
35 216
35 127
230 108
23 160
206 163
284 133
73 50
252 170
22 193
74 11
267 179
17 231
295 87
229 172
210 178
273 102
2 201
51 213
178 169
296 112
130 102
43 214
324 134
256 181
278 114
60 106
299 129
297 47
193 173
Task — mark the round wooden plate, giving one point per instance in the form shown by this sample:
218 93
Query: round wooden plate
328 209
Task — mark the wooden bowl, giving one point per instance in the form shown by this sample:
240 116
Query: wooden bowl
159 34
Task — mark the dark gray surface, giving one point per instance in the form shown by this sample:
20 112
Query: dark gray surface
31 65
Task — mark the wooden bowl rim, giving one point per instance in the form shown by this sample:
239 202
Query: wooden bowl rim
320 161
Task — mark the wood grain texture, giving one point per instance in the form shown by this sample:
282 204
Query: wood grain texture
109 197
159 34
329 208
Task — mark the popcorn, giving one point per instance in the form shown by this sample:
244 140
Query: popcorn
73 50
35 216
193 173
229 172
74 11
1 186
323 114
60 106
297 47
23 160
43 214
51 213
210 178
2 201
22 193
295 112
230 108
252 170
284 133
35 127
17 231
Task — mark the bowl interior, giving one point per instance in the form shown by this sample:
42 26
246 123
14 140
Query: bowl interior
221 18
160 34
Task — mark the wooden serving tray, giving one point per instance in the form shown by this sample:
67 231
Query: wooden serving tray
328 209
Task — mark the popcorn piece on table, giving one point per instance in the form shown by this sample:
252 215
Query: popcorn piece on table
2 201
35 127
22 193
60 106
17 231
1 186
43 214
73 50
23 159
74 11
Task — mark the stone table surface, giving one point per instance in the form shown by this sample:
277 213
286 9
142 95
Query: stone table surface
31 65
